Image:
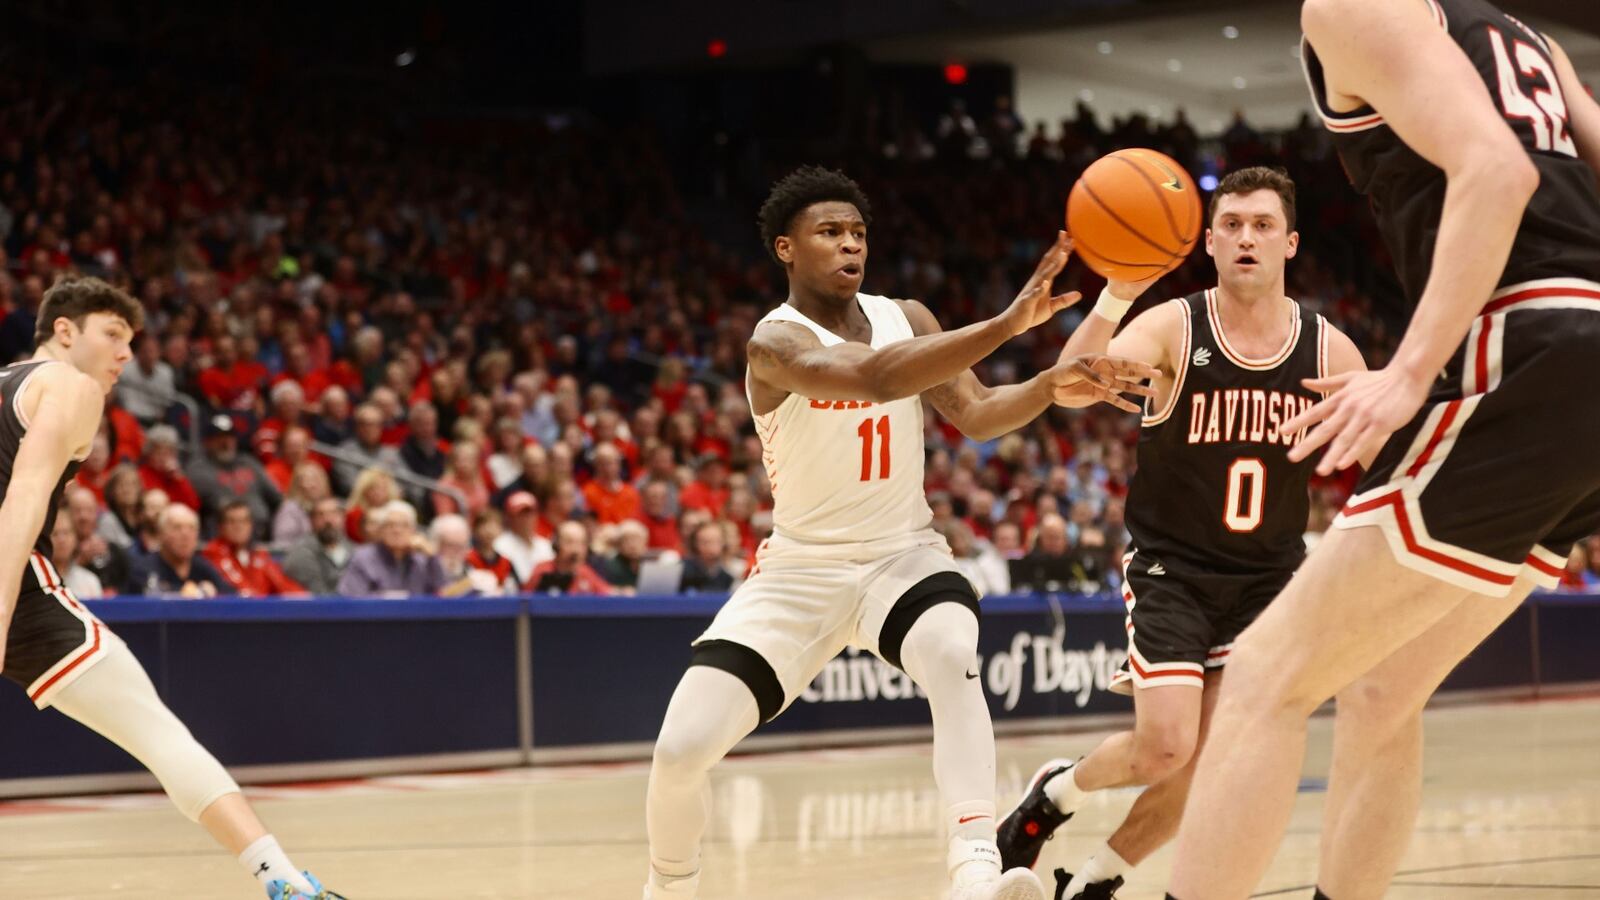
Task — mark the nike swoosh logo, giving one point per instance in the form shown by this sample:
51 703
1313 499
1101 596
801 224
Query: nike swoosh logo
971 675
1171 183
966 819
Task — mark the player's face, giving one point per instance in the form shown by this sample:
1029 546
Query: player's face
102 348
826 248
1250 240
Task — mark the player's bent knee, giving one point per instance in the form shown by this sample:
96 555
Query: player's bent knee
1160 753
749 667
1378 711
942 591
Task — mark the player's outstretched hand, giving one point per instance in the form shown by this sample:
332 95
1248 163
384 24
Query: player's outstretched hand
1361 411
1035 304
1093 378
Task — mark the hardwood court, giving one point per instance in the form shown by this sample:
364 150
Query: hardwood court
1511 810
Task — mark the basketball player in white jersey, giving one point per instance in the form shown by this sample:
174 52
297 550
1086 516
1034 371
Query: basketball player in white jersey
50 644
835 382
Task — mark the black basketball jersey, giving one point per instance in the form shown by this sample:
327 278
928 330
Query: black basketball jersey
1214 487
1560 232
12 427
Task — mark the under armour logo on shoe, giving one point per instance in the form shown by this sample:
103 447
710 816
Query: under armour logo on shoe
1202 357
1156 569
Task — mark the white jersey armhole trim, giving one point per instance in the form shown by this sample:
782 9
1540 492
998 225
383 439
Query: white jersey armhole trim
1182 368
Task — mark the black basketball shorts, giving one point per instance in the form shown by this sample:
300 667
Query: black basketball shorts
53 639
1498 475
1182 619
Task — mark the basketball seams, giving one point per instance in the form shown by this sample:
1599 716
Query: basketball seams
1089 191
1155 188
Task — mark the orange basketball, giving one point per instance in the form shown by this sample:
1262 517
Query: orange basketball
1135 214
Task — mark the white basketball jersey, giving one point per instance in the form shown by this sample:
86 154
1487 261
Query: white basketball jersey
845 470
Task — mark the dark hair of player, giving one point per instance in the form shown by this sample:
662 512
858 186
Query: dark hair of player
75 297
1256 178
800 189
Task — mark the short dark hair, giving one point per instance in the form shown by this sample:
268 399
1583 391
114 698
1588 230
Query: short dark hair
75 297
806 186
1257 178
232 505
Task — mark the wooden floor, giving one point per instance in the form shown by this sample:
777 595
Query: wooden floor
1512 810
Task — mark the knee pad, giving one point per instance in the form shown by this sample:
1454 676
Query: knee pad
117 700
940 587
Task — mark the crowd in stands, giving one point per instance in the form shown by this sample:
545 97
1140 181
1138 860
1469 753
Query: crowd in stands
427 368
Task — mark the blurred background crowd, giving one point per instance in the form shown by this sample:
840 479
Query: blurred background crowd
384 357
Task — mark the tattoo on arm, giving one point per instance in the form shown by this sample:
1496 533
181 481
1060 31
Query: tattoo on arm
947 399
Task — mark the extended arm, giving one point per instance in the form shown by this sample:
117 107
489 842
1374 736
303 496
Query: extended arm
789 358
983 412
1394 57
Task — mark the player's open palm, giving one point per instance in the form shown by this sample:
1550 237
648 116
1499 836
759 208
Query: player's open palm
1093 378
1035 304
1354 421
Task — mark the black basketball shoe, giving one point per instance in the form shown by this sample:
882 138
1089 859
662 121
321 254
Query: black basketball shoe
1099 890
1023 833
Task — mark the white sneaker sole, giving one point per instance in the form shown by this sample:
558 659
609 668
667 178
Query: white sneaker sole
1018 884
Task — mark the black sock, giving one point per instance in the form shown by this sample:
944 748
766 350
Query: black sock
1319 895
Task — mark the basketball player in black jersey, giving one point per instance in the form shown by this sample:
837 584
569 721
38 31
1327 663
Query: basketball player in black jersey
1217 511
1478 149
50 410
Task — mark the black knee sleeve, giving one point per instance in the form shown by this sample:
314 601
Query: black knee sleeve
746 665
940 587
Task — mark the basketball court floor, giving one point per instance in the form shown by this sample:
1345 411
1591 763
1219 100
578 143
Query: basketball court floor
1511 812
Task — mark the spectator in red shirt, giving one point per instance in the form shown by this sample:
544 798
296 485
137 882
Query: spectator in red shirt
656 514
487 526
250 569
294 448
162 470
288 411
127 435
709 489
569 572
299 368
611 499
230 382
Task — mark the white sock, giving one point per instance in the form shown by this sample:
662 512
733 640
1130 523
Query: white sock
1064 792
267 862
1105 863
973 856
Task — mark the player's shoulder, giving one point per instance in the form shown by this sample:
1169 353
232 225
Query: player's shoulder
1167 317
59 378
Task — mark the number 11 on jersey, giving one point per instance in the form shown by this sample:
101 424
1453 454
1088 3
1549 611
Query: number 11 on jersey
866 430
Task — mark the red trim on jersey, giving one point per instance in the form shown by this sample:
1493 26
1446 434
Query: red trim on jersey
1482 368
94 648
1403 519
56 590
1553 571
1500 305
1445 420
1360 124
49 571
1190 674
